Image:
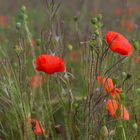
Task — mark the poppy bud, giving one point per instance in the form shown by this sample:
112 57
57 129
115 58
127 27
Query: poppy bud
135 126
136 44
38 42
99 17
97 33
18 25
122 95
104 131
23 9
94 20
25 17
70 47
124 74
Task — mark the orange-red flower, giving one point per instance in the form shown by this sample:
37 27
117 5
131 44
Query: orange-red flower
49 64
37 80
106 83
109 86
118 43
35 126
113 106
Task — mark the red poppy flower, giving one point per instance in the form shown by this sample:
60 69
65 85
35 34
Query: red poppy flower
106 83
49 64
118 43
109 87
115 93
35 126
112 106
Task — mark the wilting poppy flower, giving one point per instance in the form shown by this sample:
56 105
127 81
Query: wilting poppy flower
35 126
115 93
109 86
112 106
49 64
37 80
106 83
118 43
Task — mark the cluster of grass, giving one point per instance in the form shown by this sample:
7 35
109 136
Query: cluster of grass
70 105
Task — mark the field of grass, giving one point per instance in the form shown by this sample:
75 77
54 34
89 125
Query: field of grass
70 70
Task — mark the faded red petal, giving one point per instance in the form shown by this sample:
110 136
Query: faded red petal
124 113
115 93
106 83
112 106
36 126
118 43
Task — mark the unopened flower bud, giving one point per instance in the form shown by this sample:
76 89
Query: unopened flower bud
104 131
122 95
38 42
18 25
135 126
94 20
99 17
23 8
124 74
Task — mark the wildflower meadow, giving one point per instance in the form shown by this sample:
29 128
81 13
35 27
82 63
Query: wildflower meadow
70 70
